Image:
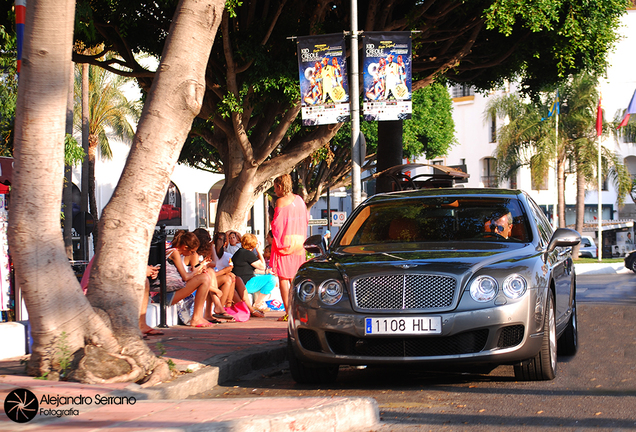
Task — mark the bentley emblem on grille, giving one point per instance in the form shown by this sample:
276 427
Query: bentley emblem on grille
406 266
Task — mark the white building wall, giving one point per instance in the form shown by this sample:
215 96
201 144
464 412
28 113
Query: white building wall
473 131
188 180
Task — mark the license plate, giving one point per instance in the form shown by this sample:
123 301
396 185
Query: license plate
403 325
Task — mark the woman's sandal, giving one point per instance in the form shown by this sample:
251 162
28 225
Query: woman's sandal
257 314
283 318
224 316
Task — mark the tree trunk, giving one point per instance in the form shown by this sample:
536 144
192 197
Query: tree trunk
68 182
389 151
59 314
128 220
84 205
92 200
561 192
62 319
580 206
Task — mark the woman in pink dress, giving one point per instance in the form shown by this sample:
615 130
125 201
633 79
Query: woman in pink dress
289 228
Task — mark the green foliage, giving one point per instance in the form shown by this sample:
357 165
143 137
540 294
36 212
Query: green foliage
64 355
528 139
8 90
109 109
430 132
73 151
62 359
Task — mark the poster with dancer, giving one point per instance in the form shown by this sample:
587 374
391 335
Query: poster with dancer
387 76
324 86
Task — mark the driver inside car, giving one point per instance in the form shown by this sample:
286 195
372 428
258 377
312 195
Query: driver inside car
500 224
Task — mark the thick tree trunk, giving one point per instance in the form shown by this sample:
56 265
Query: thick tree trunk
128 220
59 314
62 319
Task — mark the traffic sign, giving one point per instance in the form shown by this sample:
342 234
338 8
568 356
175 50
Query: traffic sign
338 218
317 222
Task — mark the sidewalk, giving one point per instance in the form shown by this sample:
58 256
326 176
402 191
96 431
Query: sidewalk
601 268
223 352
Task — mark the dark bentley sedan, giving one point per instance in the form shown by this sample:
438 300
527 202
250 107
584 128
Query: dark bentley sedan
468 277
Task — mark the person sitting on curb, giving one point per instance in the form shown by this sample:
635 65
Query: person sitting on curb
246 260
151 272
234 240
205 257
181 283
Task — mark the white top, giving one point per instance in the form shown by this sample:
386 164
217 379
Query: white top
232 249
224 261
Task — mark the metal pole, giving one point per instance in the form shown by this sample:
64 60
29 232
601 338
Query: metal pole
555 221
161 255
600 205
329 208
356 194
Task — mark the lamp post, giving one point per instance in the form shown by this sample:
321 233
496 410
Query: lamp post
356 157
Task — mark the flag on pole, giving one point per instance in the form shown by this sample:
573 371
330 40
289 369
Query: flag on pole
20 13
631 109
599 119
555 107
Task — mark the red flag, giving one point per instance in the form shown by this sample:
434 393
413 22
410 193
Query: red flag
631 109
599 119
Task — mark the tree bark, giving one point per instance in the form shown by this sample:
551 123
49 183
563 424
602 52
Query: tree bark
52 294
62 319
68 183
93 142
561 191
84 205
580 206
128 220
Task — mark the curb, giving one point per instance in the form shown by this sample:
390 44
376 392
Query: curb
217 369
348 414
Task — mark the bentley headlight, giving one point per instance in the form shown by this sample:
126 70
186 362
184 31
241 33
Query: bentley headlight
331 291
514 286
305 291
483 289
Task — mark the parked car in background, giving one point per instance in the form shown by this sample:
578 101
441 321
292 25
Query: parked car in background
588 248
630 261
461 277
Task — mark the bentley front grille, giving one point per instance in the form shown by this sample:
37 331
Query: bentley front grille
404 292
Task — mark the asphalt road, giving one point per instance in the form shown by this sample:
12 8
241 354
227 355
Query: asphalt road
596 389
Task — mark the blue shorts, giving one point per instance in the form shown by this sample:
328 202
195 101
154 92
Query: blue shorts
263 283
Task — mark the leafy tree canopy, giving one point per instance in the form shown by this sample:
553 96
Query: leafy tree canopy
252 97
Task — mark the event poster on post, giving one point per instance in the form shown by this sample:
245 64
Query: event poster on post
324 86
387 76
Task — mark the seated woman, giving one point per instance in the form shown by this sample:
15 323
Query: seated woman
181 283
151 272
246 260
206 256
234 240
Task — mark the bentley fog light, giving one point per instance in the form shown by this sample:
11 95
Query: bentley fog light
483 289
305 291
330 292
514 286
